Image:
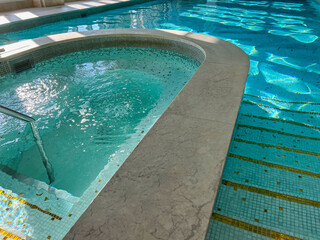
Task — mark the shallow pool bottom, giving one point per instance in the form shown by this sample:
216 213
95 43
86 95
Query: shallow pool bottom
92 108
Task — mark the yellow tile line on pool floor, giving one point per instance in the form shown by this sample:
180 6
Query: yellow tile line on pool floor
271 193
278 147
281 120
22 201
275 131
252 228
274 165
277 100
9 235
279 108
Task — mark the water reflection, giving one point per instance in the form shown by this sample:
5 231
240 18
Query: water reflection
285 61
288 6
98 103
282 41
13 213
281 38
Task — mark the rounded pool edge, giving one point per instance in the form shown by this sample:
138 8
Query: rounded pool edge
191 44
175 171
40 49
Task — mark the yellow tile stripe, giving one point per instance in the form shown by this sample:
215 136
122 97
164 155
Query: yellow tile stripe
9 235
281 120
273 165
263 145
22 201
277 100
271 193
275 131
252 228
279 108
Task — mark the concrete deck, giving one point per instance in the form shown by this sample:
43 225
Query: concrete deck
167 187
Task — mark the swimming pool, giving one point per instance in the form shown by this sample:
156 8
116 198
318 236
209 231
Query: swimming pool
273 160
92 108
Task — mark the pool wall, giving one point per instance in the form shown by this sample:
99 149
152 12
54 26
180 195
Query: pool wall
167 187
40 49
33 17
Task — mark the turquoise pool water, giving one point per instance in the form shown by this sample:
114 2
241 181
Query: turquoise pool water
92 109
271 178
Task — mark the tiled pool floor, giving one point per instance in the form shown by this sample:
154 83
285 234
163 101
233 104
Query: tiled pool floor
271 181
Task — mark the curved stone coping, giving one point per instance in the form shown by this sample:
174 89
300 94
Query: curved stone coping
39 49
167 186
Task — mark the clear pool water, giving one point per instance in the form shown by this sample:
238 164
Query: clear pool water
92 109
271 177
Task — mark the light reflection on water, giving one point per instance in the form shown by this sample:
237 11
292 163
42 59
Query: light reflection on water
14 213
273 32
280 37
91 103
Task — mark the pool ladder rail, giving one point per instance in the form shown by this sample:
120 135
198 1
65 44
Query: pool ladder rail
36 135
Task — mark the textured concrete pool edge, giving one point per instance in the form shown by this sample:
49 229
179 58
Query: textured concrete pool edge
167 187
31 17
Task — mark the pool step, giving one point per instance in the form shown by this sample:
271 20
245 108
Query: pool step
31 201
38 184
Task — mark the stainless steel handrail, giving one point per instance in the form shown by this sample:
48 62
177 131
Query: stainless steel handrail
36 135
16 114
